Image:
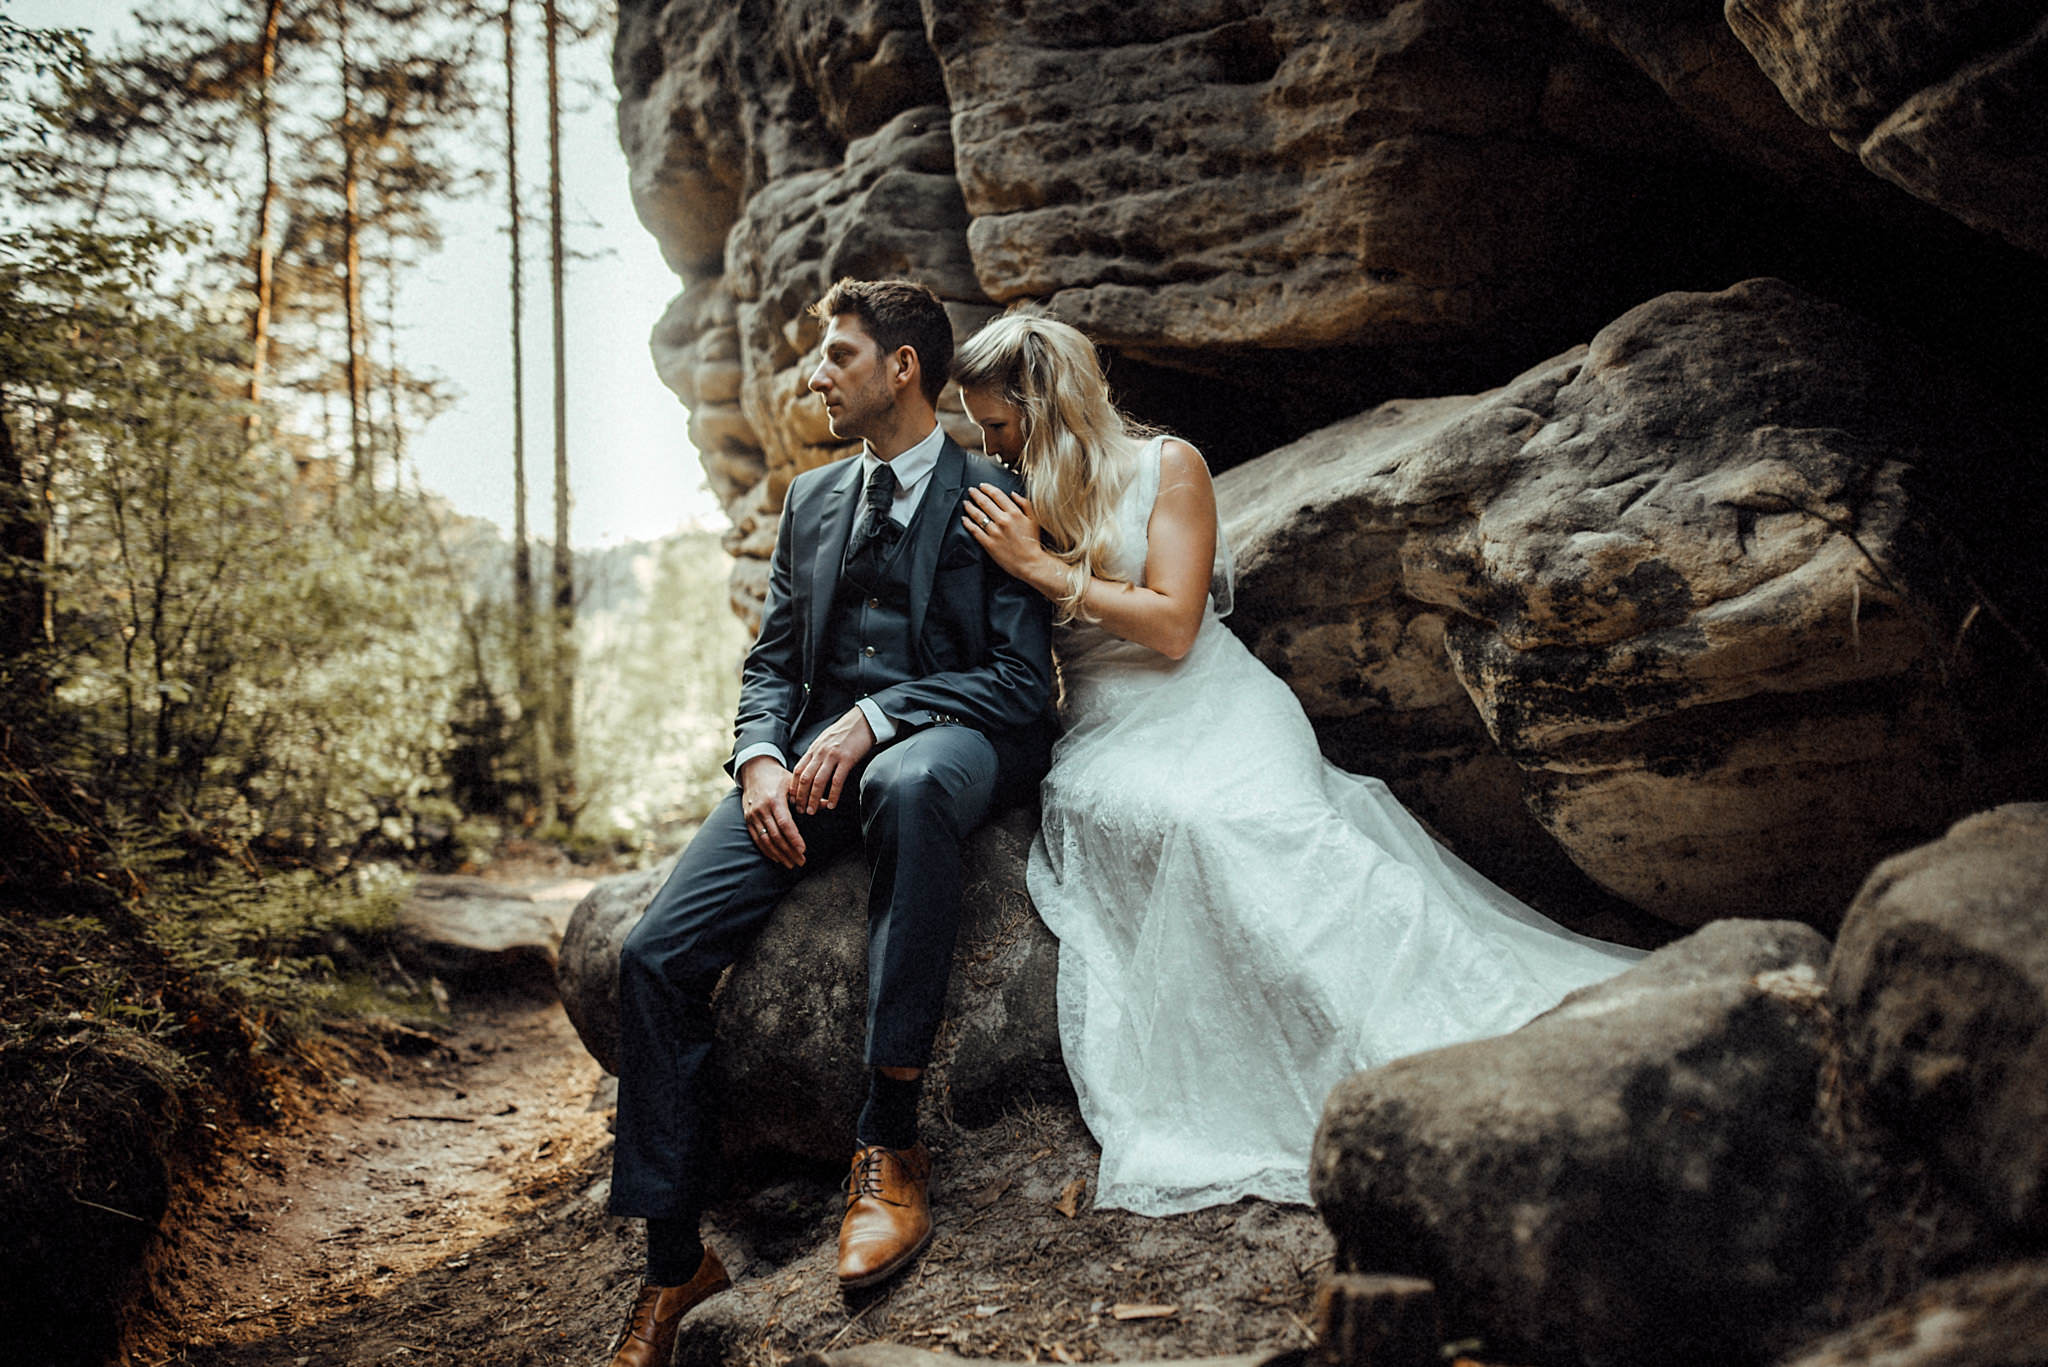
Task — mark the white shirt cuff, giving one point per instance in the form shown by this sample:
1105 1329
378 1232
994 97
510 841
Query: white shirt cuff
884 729
755 751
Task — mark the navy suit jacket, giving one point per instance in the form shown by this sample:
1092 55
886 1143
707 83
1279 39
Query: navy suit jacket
984 640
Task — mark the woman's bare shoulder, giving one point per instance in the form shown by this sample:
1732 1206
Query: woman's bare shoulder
1181 465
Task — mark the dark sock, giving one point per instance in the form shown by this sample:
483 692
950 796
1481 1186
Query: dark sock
673 1251
890 1117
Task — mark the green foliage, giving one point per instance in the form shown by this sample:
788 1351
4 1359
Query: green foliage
283 948
216 617
241 651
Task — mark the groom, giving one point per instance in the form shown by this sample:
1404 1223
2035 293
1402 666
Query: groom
899 691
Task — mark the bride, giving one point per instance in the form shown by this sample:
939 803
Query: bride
1241 924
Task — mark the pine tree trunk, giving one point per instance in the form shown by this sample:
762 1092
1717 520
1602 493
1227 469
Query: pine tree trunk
539 750
266 209
393 376
564 690
360 470
22 611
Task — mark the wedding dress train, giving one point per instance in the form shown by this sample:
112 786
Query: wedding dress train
1241 923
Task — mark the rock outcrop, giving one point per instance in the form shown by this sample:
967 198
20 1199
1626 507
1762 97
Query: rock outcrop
1274 215
476 933
1943 100
1307 210
1203 177
1846 1138
1640 1173
1714 612
791 1014
1940 980
1690 578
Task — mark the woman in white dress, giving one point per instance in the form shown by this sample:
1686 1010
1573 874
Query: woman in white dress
1241 924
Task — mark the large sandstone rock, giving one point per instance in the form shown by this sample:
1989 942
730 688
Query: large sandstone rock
1942 99
1940 980
790 1014
1288 174
1641 1174
1686 47
587 969
1274 211
1688 577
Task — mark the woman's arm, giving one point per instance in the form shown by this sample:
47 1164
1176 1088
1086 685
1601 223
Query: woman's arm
1180 555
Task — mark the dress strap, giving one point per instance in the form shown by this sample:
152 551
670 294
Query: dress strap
1149 462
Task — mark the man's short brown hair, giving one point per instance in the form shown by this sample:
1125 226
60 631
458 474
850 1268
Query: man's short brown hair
898 313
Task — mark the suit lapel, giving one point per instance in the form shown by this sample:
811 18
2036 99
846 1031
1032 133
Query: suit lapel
940 504
835 529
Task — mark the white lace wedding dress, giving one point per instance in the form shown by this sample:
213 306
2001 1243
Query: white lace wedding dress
1242 924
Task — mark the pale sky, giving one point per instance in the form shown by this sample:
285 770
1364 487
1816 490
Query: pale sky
632 472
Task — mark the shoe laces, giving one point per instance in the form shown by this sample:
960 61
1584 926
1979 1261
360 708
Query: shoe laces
866 1178
641 1324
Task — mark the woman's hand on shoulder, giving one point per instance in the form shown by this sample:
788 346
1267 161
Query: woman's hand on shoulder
1007 528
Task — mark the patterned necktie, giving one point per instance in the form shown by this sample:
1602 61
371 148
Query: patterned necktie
879 526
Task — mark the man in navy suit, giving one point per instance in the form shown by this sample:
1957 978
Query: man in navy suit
899 691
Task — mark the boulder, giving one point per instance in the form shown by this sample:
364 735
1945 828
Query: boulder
1987 1317
1940 982
790 1014
1943 100
1695 580
587 971
474 932
1640 1174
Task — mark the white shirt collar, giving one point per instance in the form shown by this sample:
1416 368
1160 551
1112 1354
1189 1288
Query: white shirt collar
910 466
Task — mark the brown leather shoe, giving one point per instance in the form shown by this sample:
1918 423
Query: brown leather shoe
888 1220
650 1334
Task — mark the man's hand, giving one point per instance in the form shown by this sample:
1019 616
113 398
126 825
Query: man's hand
764 800
836 753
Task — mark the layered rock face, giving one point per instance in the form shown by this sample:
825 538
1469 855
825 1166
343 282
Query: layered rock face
1943 100
776 147
1204 176
1679 631
1310 209
1734 595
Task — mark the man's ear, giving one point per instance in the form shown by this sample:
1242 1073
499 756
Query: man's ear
905 369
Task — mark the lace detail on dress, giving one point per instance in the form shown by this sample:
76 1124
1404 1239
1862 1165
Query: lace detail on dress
1241 924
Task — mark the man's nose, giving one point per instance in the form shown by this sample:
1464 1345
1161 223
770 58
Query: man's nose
817 381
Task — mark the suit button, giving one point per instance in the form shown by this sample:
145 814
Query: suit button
867 650
874 602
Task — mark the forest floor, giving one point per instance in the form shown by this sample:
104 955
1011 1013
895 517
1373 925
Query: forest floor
443 1200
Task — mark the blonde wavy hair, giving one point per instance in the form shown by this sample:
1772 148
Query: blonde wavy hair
1080 453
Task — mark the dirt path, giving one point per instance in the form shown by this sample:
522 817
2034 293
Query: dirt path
448 1206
